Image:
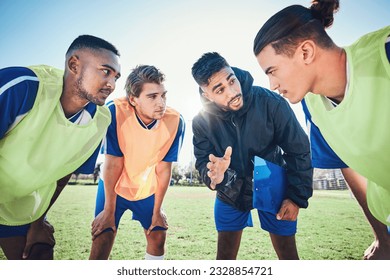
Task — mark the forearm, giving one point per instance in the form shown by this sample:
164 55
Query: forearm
112 170
163 173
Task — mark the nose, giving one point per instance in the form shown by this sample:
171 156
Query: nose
233 91
111 83
161 101
273 84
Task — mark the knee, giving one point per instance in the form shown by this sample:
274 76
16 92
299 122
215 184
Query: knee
41 251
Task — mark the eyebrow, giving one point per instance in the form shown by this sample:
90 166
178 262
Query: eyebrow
154 93
113 69
266 71
218 85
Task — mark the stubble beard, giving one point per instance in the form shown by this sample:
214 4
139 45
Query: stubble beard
84 94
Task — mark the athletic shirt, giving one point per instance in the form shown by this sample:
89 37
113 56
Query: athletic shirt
322 154
142 148
357 129
110 143
28 171
18 91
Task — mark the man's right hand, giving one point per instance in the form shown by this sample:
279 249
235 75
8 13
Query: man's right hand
40 232
102 222
217 167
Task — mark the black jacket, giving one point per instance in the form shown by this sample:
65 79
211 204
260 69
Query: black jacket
265 126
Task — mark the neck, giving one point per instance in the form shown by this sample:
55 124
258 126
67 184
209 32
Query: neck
71 103
145 122
332 77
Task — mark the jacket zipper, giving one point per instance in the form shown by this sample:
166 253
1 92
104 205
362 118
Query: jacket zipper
239 144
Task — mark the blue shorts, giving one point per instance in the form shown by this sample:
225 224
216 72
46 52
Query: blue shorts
228 218
142 209
11 231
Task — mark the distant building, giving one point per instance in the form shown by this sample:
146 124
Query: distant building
328 179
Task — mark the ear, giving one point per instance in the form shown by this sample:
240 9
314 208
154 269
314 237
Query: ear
73 64
132 100
308 50
207 96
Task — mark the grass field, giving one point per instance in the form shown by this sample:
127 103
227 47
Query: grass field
332 228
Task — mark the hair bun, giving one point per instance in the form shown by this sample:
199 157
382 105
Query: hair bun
323 10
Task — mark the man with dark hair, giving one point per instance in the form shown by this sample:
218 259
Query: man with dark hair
240 121
336 85
142 141
50 127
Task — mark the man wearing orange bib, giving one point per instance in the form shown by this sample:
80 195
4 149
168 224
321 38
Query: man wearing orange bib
143 140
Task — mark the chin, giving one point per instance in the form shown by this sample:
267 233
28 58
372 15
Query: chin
294 100
99 102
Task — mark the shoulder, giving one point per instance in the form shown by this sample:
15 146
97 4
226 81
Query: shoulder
182 124
18 91
111 106
13 76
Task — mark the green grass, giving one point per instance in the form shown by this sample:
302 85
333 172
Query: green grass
332 228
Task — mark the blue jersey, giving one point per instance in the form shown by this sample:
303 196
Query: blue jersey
322 154
111 146
18 90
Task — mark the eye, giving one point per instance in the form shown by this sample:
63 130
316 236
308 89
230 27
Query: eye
106 71
271 72
219 91
232 81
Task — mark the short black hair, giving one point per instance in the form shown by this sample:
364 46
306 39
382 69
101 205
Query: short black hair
91 42
209 64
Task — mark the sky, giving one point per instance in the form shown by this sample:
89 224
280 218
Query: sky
171 35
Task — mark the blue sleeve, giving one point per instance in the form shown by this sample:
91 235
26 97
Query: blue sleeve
18 90
322 154
89 165
110 142
174 150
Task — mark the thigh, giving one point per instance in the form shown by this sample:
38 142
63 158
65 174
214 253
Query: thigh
13 247
121 204
143 212
13 240
269 223
228 218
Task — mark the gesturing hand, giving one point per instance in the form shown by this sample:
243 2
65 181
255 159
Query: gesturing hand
217 167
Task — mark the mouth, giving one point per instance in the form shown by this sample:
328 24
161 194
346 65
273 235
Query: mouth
236 100
160 111
282 93
106 92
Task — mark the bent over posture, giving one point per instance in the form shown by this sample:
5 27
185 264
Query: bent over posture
143 140
240 121
345 93
51 122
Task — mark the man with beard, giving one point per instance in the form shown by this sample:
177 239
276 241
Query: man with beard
240 121
52 123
